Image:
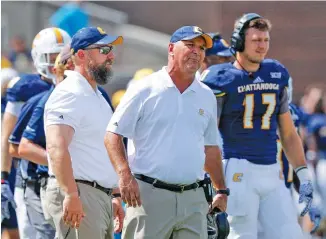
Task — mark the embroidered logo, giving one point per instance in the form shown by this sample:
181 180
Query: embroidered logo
258 80
276 75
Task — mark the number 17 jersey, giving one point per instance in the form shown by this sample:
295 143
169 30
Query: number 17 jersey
251 105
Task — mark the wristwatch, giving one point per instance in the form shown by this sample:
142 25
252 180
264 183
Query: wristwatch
223 191
116 195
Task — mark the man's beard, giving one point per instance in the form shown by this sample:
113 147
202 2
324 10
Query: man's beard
252 60
100 73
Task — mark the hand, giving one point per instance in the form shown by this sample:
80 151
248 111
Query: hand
73 212
220 202
306 195
129 191
118 214
6 198
315 217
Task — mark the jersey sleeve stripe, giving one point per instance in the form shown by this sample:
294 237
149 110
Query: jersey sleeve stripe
220 94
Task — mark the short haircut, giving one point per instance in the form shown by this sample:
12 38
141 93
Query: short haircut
261 24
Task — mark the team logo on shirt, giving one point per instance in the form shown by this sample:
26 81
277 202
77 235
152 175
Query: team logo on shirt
276 75
258 80
201 112
61 117
237 177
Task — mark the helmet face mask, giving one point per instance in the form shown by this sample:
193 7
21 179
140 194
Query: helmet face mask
217 225
46 45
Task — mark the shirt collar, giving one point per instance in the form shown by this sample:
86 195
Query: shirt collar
83 82
169 83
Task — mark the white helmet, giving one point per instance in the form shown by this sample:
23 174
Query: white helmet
47 41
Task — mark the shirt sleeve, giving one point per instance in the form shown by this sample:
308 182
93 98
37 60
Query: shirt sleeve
128 112
63 107
284 102
211 132
20 125
35 127
14 108
209 77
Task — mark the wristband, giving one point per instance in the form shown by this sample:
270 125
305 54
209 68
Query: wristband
302 173
4 175
116 195
223 191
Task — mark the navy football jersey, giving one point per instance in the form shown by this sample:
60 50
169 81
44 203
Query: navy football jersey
25 87
3 104
106 96
286 169
251 104
28 169
34 130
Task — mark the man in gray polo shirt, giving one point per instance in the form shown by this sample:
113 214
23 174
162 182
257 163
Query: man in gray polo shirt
171 118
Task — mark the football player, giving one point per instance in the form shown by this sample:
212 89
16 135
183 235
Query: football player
253 101
46 46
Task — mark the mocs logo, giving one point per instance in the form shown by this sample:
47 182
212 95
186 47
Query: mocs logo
237 177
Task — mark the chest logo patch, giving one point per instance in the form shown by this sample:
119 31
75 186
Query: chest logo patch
276 75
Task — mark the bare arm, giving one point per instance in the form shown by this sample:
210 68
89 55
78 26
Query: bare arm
291 141
213 166
14 150
127 183
115 147
8 124
58 138
32 152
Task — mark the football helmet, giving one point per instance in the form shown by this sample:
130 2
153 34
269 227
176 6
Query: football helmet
217 224
48 41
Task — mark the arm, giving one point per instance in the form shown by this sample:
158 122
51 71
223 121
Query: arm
14 150
293 149
127 183
291 141
58 138
214 167
32 152
8 124
115 147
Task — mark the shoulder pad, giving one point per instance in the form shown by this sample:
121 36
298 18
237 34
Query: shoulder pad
278 67
218 74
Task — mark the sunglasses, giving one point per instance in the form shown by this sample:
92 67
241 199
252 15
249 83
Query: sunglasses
102 49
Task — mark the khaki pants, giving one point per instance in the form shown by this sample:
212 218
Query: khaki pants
166 215
98 222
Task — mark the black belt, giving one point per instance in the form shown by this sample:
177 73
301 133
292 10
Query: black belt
171 187
93 184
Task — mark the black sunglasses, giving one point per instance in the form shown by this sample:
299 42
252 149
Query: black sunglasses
102 49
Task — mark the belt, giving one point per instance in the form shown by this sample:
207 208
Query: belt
171 187
93 184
